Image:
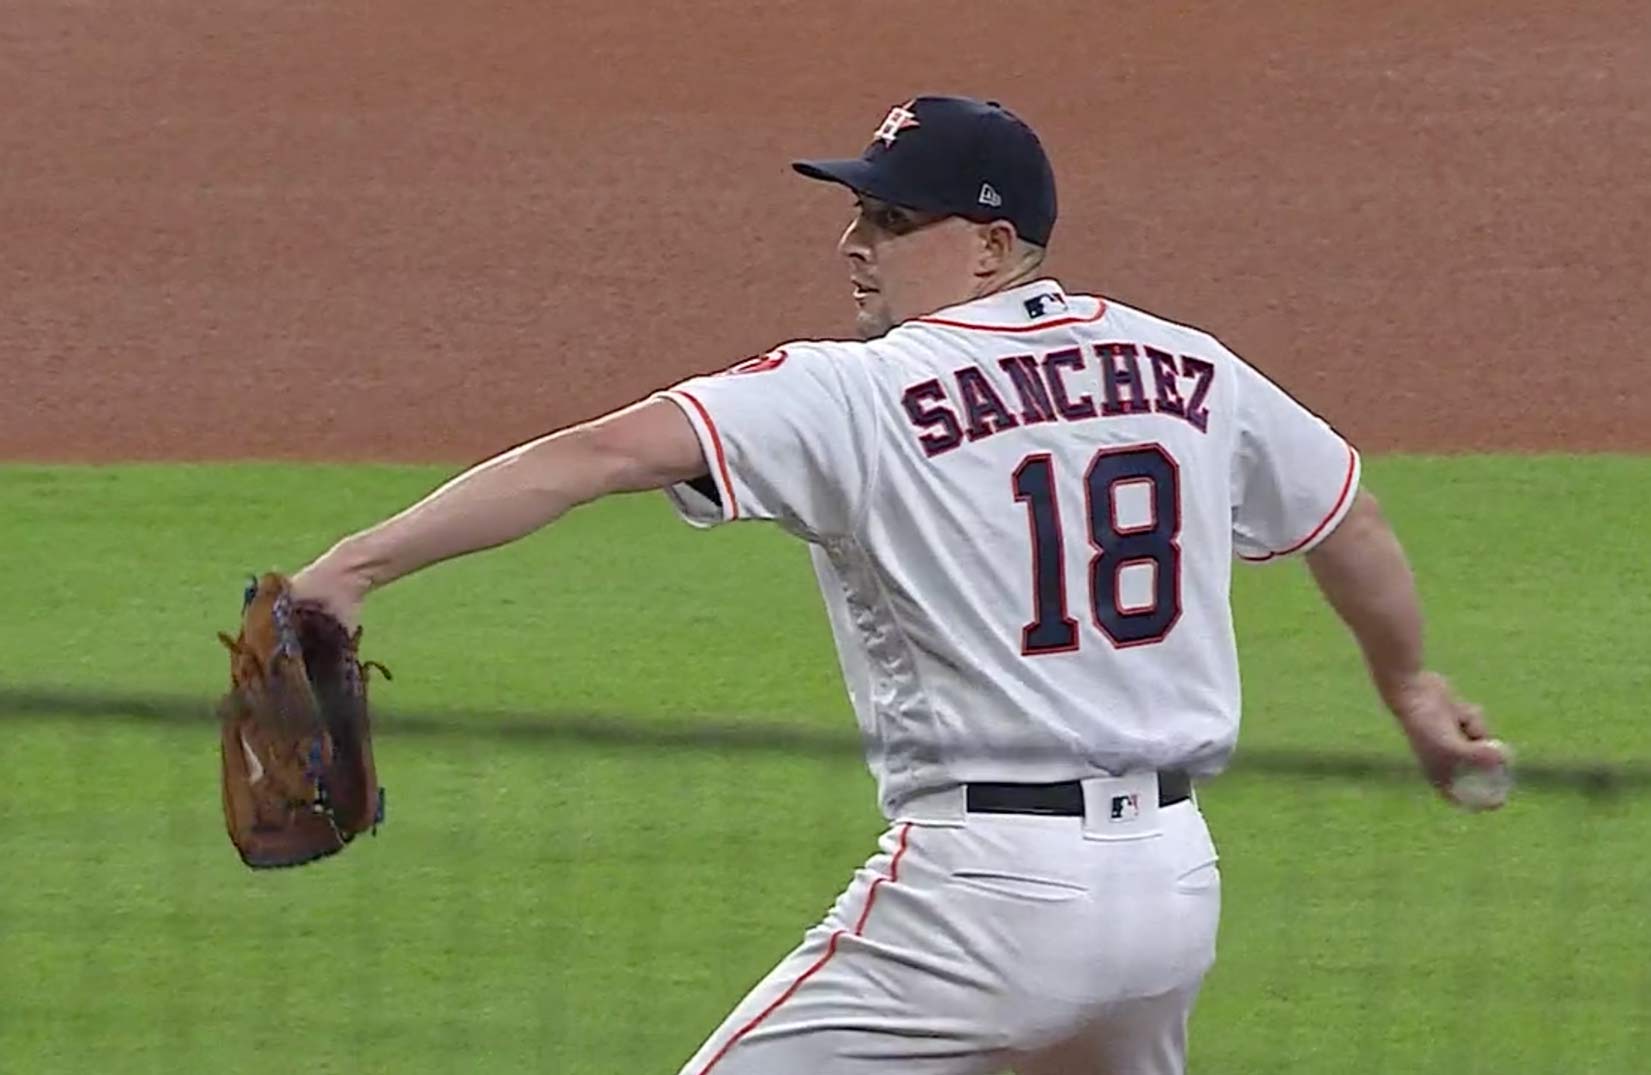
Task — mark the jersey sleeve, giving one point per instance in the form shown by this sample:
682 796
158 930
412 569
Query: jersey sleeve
786 437
1293 477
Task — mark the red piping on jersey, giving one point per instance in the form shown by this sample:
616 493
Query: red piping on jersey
722 459
1346 487
831 950
1057 323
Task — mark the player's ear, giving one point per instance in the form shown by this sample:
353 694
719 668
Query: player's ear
998 243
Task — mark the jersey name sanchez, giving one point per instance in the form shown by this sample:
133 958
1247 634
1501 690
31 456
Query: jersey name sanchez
1023 512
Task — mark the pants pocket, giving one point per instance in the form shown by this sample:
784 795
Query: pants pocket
1200 878
1018 885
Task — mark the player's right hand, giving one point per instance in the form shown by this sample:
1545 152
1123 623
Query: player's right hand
1445 732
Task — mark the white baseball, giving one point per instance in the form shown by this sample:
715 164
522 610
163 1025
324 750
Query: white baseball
1477 789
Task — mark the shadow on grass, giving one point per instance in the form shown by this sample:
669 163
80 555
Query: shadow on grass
721 734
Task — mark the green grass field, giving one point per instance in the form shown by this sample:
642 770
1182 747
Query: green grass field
550 902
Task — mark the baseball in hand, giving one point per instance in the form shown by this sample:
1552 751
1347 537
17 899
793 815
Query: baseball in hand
1477 789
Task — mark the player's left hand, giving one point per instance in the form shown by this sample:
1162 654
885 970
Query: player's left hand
339 592
1445 732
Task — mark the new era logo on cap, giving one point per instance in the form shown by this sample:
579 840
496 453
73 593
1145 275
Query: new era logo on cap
989 196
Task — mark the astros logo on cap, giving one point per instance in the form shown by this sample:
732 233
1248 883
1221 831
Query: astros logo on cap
899 118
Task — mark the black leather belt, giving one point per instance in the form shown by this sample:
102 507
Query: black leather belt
1060 800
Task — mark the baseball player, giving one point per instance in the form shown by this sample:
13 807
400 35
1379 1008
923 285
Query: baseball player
1022 505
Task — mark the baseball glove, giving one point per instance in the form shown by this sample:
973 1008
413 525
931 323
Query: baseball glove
296 746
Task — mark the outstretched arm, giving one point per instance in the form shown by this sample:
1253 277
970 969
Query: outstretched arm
646 446
1362 571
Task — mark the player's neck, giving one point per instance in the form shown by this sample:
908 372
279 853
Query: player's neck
1021 273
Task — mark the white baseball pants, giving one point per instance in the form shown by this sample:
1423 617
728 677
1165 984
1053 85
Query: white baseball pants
980 943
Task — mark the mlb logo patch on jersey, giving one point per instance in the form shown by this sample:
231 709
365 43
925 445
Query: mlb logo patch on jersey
1125 807
1045 304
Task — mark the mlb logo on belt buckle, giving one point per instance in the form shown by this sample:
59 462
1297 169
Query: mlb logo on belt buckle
1125 807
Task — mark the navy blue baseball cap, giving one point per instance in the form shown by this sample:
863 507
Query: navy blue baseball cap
957 156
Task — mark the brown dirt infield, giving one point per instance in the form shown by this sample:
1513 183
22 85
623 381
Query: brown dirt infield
431 229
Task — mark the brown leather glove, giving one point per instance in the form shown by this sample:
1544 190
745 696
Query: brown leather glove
297 752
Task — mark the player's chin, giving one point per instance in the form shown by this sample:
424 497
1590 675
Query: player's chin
872 321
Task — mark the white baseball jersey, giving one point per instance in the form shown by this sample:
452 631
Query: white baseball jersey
1023 512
